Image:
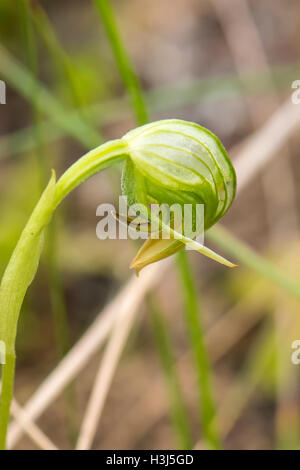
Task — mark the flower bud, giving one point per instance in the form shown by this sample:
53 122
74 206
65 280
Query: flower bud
174 161
181 162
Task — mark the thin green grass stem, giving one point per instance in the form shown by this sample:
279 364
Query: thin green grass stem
193 316
123 61
165 350
247 256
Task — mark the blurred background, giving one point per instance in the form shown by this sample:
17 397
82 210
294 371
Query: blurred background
228 65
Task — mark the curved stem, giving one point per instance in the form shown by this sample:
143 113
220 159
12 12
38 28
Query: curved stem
24 261
90 164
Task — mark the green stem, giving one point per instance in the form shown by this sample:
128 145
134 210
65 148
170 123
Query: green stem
165 349
123 61
139 107
91 163
29 41
252 260
24 261
8 375
201 360
63 63
21 79
159 99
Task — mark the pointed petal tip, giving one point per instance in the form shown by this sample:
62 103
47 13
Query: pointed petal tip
133 264
136 266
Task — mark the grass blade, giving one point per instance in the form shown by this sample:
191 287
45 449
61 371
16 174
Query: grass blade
247 256
165 350
25 83
123 61
199 350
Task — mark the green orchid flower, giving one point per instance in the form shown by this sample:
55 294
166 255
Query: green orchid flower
166 162
183 163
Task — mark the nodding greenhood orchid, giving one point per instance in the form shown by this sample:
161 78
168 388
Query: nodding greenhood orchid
165 162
